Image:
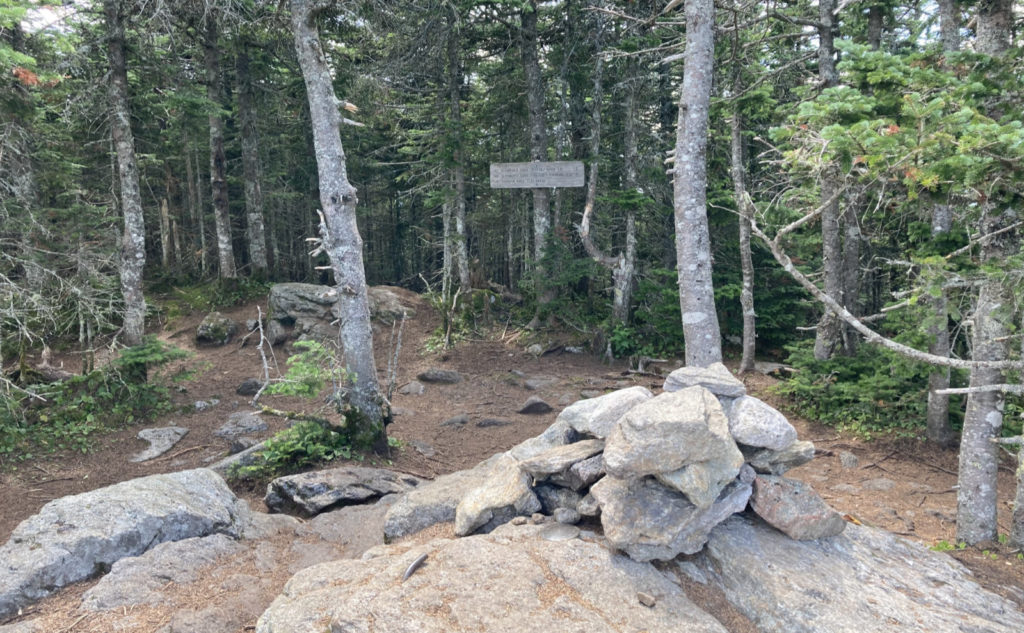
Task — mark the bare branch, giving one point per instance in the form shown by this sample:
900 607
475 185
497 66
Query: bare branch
1016 389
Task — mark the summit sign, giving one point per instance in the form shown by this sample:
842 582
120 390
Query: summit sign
536 175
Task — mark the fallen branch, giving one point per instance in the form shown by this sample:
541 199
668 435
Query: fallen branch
298 416
952 391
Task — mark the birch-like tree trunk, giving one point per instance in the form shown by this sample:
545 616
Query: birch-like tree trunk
829 333
340 234
937 428
218 162
993 324
255 234
693 244
133 244
455 76
538 150
745 211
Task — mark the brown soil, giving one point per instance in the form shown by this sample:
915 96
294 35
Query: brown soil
905 486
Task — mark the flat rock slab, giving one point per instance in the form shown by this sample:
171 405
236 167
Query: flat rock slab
597 415
503 494
440 376
311 493
72 537
536 383
241 423
509 581
772 462
716 378
160 441
794 507
865 580
560 458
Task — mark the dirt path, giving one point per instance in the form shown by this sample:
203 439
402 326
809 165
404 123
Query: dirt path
904 486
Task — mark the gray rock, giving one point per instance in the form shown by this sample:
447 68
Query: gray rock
535 406
412 388
560 458
581 474
25 626
141 579
385 304
203 405
489 422
771 462
504 493
460 420
588 506
423 448
879 484
754 423
558 434
73 537
794 508
241 423
536 383
536 349
160 441
491 583
598 415
215 329
555 497
566 516
276 332
846 489
440 376
694 573
716 378
249 387
648 521
433 502
848 459
309 494
290 301
246 457
683 437
240 444
591 393
865 580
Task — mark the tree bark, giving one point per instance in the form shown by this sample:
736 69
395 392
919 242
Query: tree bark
829 333
949 24
340 234
133 244
993 323
876 17
255 234
218 162
693 245
938 429
455 76
538 151
743 208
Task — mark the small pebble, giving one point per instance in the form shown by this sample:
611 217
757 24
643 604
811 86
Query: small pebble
518 521
537 518
646 599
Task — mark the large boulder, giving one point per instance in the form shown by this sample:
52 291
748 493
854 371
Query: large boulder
308 310
215 329
864 580
508 581
309 494
503 494
716 378
754 423
597 416
649 521
73 538
794 507
683 438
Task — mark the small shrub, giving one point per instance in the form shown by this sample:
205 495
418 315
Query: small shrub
309 371
304 444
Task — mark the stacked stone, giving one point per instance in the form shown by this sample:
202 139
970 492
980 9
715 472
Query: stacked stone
660 471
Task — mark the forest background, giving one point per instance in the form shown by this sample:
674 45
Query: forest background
873 149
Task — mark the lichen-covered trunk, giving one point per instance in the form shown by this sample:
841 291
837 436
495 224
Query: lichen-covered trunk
949 24
1017 526
938 429
851 269
255 234
218 162
746 259
829 334
133 244
340 234
538 150
455 76
693 244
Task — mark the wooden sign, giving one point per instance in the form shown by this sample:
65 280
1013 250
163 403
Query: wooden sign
536 175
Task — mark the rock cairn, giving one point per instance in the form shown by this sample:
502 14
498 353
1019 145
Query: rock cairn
660 471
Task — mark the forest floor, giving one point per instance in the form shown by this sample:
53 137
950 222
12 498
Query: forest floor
905 486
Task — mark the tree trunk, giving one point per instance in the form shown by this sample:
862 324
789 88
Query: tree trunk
949 23
851 268
693 244
455 76
1017 526
938 429
538 152
340 234
255 234
133 244
830 330
876 16
979 457
622 275
165 234
743 207
218 162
